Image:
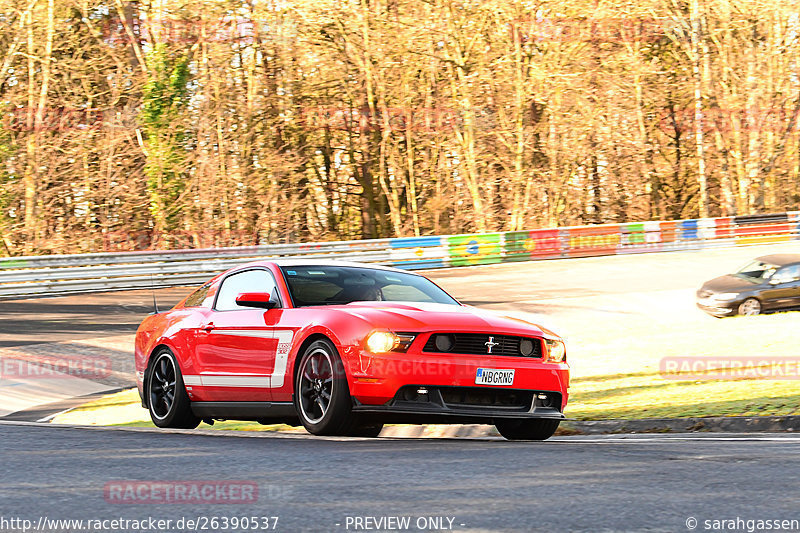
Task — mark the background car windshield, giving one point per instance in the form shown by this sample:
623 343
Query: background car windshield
329 285
757 270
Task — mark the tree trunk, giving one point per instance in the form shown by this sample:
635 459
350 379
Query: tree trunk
697 47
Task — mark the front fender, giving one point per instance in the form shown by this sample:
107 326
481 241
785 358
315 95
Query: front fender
344 331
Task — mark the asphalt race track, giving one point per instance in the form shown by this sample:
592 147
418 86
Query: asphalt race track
610 483
65 318
615 483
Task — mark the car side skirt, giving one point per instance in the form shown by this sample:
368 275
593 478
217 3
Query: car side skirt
244 410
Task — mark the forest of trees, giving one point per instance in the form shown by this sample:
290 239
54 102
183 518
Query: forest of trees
155 124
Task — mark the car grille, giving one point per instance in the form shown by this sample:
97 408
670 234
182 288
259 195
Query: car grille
455 397
475 344
470 398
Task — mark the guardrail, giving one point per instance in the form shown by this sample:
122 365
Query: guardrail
68 274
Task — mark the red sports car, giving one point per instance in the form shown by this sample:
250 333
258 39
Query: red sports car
343 348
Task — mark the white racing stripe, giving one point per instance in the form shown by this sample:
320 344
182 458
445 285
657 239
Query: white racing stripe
191 379
259 333
284 337
274 381
261 382
227 380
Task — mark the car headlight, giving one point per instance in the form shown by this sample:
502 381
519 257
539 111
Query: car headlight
386 341
725 296
556 351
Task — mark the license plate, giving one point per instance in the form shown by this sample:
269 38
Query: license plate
493 376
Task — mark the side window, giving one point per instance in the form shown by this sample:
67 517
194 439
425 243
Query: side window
197 298
790 273
313 290
247 281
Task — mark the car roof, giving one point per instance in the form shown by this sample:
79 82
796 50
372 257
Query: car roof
298 262
780 259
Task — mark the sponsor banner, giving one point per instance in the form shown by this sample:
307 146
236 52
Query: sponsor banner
668 233
640 237
772 218
763 229
466 250
652 233
686 236
415 242
674 236
706 229
11 263
418 252
724 227
763 233
593 240
688 230
794 218
527 245
632 234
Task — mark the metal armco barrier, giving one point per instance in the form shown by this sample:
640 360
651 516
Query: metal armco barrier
70 274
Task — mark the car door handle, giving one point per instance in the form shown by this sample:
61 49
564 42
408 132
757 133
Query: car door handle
208 327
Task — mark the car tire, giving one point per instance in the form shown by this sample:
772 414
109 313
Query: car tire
750 307
167 401
530 429
321 395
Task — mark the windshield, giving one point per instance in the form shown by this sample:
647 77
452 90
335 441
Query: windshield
329 285
757 271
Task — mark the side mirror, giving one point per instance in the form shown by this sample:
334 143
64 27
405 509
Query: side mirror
261 300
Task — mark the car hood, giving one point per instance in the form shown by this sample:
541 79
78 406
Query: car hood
729 283
419 317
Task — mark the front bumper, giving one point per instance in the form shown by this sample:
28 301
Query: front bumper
718 309
424 404
376 380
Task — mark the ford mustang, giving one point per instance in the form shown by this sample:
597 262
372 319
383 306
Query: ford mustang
343 348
